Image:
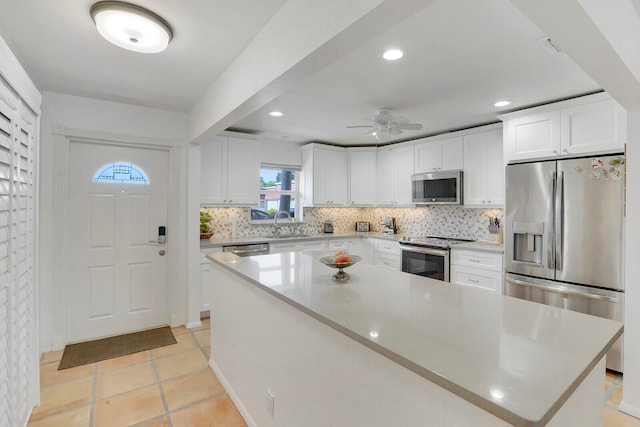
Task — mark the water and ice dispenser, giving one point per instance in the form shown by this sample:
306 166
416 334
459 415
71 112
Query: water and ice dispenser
527 241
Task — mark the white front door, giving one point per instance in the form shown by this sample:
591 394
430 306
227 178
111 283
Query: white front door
117 278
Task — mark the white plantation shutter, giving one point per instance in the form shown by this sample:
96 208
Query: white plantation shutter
18 355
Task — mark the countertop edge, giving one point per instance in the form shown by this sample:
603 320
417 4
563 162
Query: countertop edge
463 393
218 243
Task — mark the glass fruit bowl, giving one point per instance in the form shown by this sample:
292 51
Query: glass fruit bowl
340 276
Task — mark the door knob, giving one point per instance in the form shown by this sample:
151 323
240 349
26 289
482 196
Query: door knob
161 252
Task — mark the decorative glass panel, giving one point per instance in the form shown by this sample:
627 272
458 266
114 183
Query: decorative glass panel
121 173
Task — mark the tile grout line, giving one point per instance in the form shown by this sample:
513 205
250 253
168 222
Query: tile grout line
159 382
94 387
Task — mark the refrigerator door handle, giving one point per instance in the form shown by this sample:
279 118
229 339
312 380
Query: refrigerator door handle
559 214
563 291
550 216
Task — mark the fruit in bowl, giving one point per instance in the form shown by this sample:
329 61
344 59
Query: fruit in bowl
341 257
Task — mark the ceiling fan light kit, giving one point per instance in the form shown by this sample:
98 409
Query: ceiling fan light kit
385 125
131 27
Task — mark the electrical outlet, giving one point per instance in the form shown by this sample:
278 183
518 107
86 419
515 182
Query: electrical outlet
271 403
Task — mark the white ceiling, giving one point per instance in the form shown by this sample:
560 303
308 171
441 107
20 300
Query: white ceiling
461 56
58 45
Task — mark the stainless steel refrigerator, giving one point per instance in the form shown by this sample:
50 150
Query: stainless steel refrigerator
564 228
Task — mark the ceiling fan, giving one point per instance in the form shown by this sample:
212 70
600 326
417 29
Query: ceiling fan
385 125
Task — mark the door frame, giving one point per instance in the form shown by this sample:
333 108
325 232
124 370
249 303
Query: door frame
176 247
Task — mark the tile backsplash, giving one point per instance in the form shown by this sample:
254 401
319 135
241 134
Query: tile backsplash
448 221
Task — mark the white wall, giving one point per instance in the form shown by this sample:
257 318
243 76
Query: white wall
280 152
98 116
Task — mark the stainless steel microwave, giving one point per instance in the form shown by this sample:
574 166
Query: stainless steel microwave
437 188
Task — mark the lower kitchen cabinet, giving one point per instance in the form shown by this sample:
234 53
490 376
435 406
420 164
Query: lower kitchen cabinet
313 246
386 253
205 270
478 268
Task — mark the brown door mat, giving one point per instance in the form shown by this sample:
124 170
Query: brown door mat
121 345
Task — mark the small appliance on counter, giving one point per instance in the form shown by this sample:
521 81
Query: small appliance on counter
362 226
328 226
389 225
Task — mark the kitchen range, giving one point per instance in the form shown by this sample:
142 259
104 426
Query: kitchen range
564 236
428 256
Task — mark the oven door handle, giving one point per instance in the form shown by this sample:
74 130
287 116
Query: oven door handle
428 251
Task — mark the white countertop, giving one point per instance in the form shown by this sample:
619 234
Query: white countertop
481 246
513 358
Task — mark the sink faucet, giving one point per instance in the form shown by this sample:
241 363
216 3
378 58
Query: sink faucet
276 227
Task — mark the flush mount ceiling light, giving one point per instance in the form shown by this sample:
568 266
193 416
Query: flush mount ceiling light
393 54
131 27
276 113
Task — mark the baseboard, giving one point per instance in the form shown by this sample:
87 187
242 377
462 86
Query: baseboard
192 325
232 394
629 409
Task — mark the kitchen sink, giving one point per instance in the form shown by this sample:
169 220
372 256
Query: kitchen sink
290 236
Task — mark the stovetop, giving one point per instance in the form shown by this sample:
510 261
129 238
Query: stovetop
433 241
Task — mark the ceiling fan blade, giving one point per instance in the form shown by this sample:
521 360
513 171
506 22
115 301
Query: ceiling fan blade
360 126
395 131
411 126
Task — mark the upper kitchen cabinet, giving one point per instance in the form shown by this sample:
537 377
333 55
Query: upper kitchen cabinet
394 168
439 155
585 125
230 172
324 175
362 176
484 169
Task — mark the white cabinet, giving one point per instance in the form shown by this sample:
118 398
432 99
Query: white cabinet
298 245
394 168
207 277
477 268
324 175
362 176
351 245
386 253
443 154
483 177
590 124
229 172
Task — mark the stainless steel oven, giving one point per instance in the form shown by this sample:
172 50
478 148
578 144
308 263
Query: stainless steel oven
427 256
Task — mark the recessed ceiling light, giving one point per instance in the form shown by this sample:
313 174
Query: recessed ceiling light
276 113
501 103
393 54
131 27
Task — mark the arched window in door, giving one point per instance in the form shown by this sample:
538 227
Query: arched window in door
121 173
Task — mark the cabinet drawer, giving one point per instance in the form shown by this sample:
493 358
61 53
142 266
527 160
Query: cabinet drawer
477 259
486 279
387 260
315 246
387 247
338 245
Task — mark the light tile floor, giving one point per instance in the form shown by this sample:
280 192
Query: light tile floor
168 386
173 386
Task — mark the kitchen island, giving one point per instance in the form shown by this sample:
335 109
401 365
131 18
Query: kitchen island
388 348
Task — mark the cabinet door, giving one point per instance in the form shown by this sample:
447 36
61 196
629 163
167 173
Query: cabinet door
593 127
428 157
243 173
452 154
321 176
355 247
403 170
494 169
484 170
385 169
338 184
533 136
213 171
362 177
